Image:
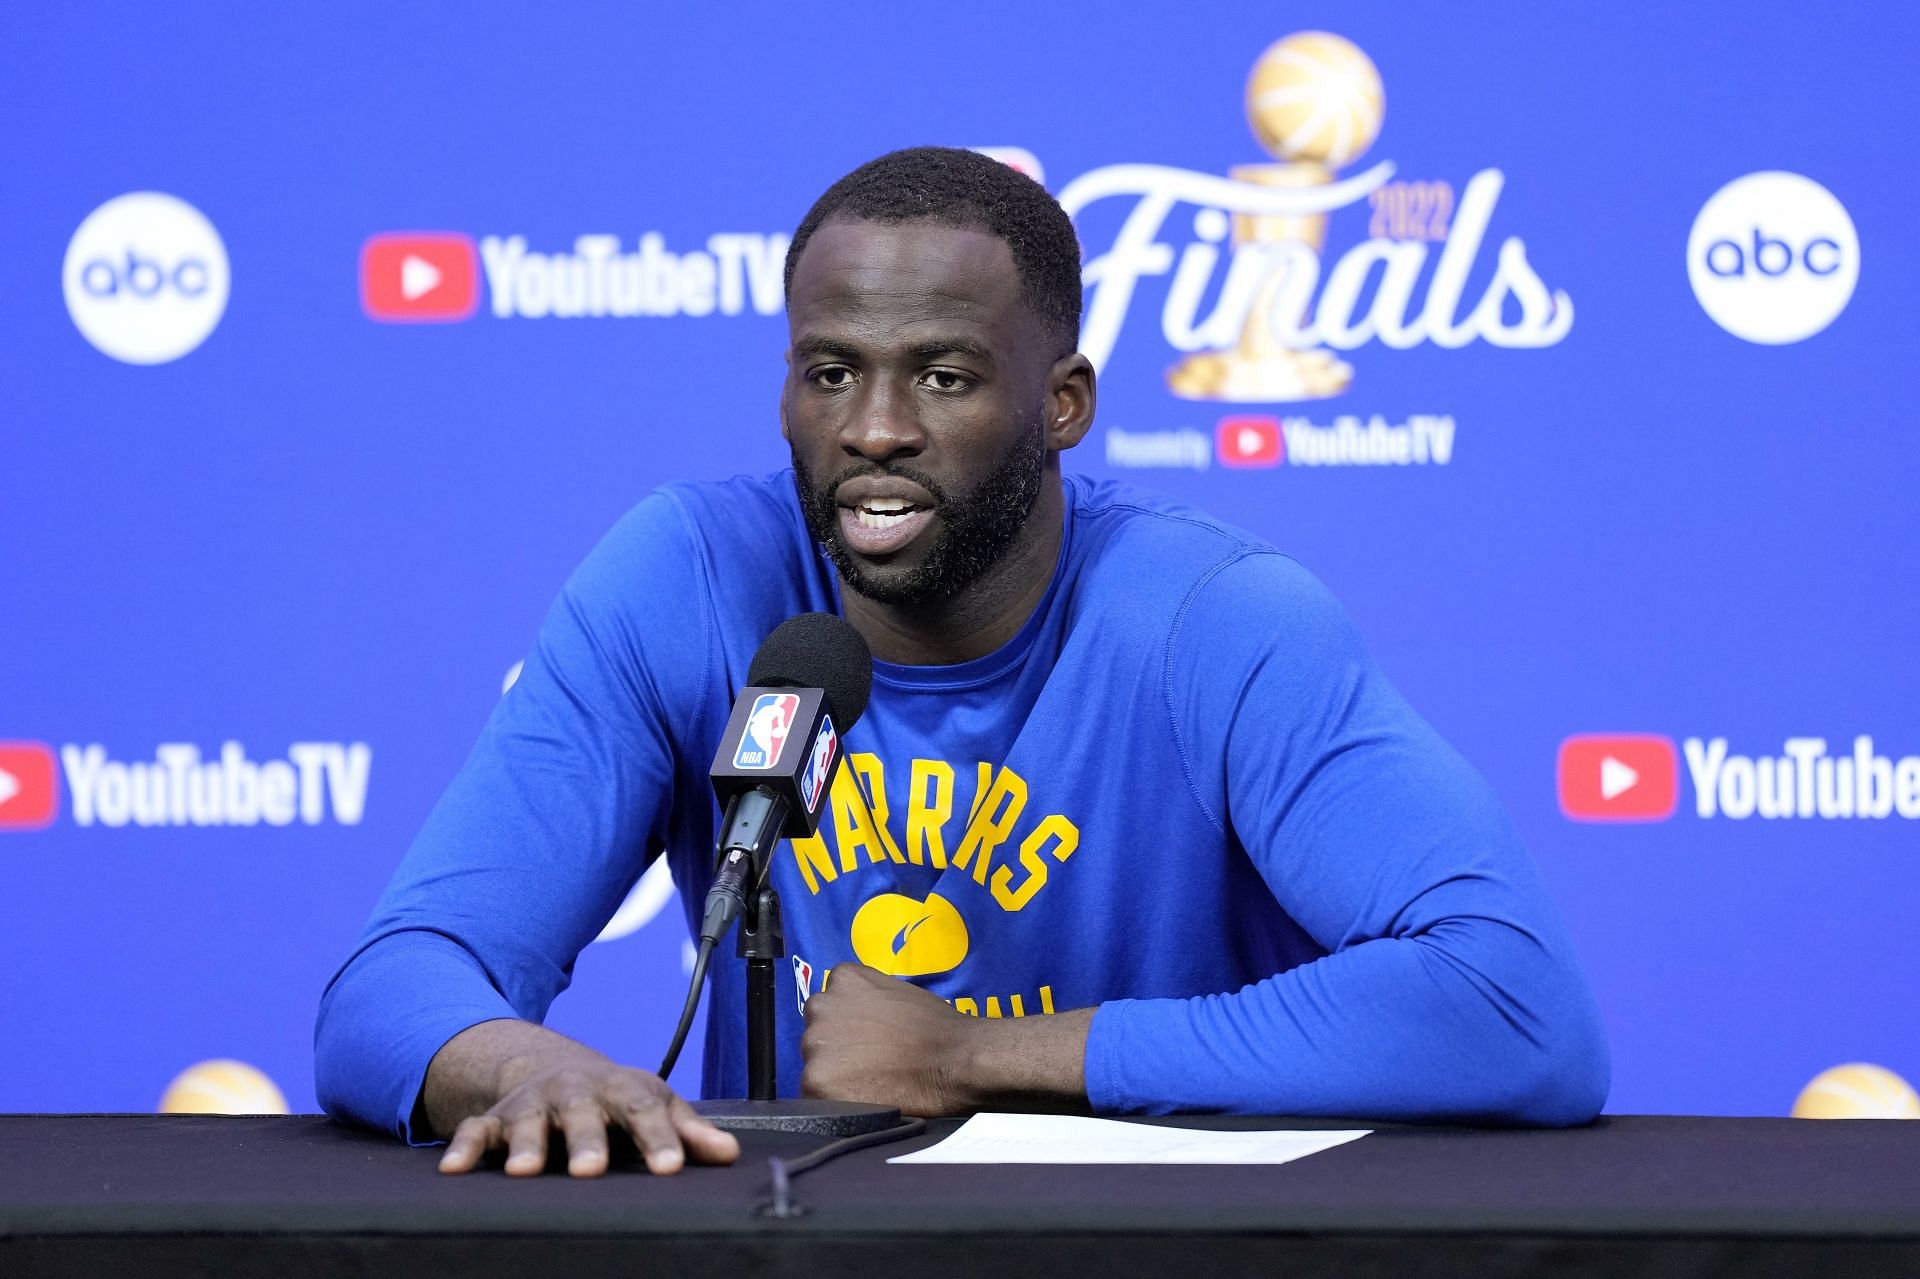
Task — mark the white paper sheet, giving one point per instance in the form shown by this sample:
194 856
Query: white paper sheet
1071 1139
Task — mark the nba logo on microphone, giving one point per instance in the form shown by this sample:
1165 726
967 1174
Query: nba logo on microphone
768 724
820 767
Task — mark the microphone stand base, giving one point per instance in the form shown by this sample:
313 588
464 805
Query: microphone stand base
801 1114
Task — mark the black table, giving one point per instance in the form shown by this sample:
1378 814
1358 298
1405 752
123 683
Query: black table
132 1195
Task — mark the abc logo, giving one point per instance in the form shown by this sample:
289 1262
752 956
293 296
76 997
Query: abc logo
145 278
1773 257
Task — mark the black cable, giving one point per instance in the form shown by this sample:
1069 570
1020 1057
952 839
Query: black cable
694 984
781 1172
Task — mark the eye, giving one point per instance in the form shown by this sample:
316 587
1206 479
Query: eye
831 376
945 380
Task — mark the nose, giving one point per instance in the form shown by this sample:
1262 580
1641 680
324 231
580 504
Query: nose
884 424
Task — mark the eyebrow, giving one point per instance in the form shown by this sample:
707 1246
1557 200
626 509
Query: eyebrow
932 348
826 346
950 346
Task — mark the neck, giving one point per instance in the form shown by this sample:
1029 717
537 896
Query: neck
985 615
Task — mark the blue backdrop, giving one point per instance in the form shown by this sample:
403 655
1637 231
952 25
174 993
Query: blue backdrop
281 469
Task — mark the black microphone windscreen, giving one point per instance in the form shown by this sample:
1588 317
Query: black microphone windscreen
818 650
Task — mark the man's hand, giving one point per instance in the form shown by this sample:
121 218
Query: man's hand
874 1038
547 1083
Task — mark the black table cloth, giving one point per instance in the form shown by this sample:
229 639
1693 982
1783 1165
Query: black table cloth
134 1195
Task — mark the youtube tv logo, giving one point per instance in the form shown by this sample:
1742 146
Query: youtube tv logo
1619 777
29 799
419 277
1248 441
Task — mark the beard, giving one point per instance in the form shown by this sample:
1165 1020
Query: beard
976 528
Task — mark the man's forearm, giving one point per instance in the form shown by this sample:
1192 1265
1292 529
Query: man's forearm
483 1063
1028 1063
1476 1025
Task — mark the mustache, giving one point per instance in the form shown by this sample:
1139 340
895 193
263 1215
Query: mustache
824 492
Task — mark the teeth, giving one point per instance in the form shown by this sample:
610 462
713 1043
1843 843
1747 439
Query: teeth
883 512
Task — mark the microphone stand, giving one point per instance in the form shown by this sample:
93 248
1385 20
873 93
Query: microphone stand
763 944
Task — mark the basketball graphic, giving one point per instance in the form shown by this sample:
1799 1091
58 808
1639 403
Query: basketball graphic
222 1087
1316 98
1315 102
1857 1090
905 937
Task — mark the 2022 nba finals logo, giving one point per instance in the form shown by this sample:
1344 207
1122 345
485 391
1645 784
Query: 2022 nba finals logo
1280 315
1316 103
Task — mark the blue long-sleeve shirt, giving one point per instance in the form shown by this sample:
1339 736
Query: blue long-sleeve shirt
1182 793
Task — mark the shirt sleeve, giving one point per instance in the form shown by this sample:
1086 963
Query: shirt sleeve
1449 990
562 803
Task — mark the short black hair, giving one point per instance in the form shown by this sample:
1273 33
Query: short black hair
960 188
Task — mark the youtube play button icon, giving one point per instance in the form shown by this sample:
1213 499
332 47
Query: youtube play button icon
28 797
1249 442
417 277
1619 777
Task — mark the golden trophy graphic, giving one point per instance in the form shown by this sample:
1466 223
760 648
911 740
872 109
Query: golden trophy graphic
1315 102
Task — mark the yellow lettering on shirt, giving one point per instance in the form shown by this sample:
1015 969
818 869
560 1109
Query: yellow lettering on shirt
982 781
1015 1004
810 854
929 805
993 820
854 825
863 835
872 776
1054 829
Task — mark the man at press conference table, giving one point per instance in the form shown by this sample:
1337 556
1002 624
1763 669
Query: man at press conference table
1132 823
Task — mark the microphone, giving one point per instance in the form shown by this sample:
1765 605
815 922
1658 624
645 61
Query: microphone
808 684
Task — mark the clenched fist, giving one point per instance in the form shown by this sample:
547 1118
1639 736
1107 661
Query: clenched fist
874 1038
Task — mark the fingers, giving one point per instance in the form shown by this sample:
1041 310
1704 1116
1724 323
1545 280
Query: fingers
585 1125
644 1112
665 1128
704 1143
527 1143
471 1141
855 971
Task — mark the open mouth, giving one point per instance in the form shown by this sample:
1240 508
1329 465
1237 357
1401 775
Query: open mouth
883 512
881 525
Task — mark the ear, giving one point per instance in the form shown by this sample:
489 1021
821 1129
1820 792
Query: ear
786 385
1070 401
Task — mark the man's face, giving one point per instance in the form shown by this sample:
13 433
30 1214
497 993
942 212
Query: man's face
915 404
